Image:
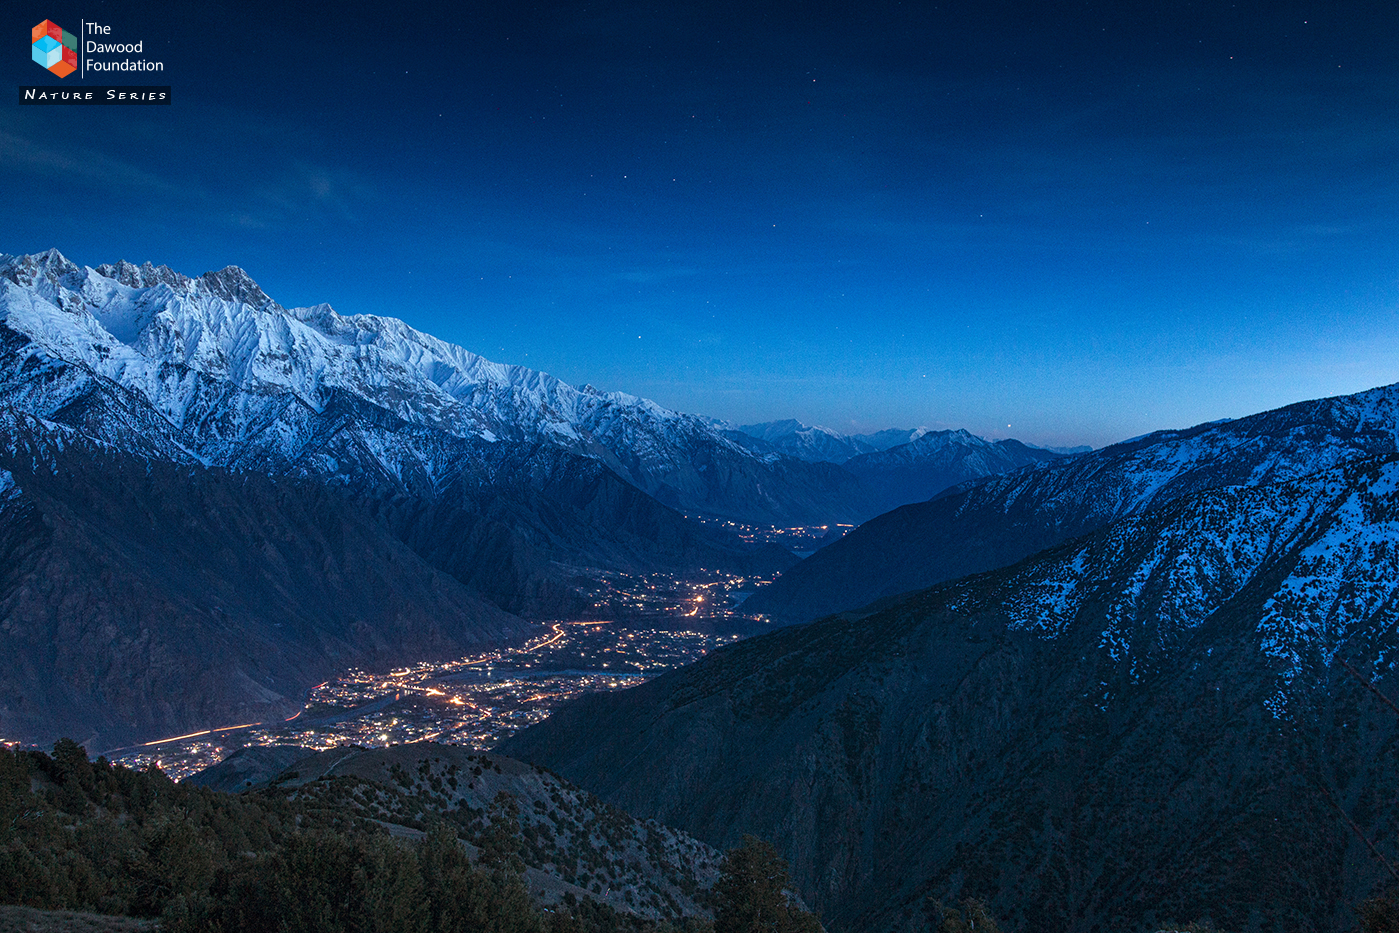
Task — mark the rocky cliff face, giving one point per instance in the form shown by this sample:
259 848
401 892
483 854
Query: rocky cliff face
1002 519
1150 723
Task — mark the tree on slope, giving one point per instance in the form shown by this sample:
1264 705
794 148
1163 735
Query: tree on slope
751 893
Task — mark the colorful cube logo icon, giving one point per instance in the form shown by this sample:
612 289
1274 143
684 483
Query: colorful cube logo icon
55 48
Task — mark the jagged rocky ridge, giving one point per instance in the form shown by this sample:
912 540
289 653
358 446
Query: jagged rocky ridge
236 380
1149 723
995 521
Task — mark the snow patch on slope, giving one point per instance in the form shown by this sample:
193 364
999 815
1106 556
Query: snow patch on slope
1344 581
1333 537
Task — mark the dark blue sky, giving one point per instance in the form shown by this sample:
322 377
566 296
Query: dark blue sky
1065 222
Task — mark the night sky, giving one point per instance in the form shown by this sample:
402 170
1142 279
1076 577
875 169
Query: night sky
1064 222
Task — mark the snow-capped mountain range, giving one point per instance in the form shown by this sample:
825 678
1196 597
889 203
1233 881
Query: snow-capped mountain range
239 381
157 332
213 370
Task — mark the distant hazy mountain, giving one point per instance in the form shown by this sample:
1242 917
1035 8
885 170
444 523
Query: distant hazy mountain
896 466
1004 518
1066 451
1143 725
937 460
818 444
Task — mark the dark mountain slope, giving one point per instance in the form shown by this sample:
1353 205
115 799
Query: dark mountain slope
1000 520
1141 725
547 515
145 598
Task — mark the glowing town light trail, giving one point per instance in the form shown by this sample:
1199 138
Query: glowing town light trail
559 633
193 735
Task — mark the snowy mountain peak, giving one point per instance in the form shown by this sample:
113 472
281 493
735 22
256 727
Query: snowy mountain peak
131 320
772 431
955 436
50 266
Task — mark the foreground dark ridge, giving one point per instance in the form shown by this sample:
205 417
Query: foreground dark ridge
406 840
571 843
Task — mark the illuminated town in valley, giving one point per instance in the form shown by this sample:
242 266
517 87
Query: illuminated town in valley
800 539
646 625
